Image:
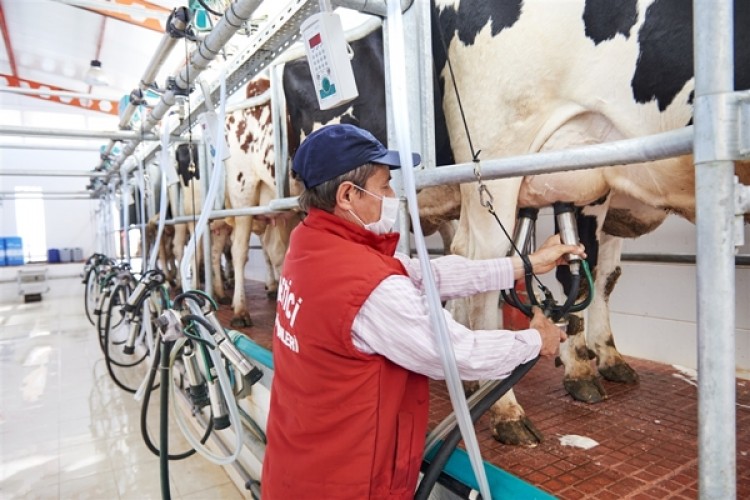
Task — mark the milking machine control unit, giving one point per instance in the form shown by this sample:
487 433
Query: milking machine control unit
329 59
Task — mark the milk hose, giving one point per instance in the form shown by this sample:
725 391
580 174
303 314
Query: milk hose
164 420
144 411
452 378
163 165
229 399
216 176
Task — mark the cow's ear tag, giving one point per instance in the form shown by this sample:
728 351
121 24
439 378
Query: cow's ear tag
329 57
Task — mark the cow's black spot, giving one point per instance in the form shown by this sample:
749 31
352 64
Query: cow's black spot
184 161
665 62
368 108
471 17
466 23
604 19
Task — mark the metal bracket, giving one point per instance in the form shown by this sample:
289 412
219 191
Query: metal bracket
729 138
743 124
741 207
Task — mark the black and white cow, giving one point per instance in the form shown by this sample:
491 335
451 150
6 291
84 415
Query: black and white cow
540 75
438 206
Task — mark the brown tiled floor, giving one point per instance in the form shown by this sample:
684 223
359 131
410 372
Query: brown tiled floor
647 433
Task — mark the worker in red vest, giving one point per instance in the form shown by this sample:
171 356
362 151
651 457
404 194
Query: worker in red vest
353 345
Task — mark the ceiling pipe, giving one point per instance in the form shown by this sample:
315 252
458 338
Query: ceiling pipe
235 16
239 12
56 93
32 194
48 197
374 7
75 134
50 147
166 44
49 173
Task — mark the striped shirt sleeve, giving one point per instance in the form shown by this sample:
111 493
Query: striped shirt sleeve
394 322
457 276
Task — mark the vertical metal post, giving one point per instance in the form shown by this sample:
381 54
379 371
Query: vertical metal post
125 230
714 170
418 44
280 137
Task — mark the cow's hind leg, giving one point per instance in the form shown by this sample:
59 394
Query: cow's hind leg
240 245
220 232
609 361
580 379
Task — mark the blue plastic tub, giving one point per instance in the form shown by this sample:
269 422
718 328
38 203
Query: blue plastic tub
13 251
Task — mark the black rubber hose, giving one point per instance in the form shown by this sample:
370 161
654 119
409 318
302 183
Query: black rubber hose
454 436
144 413
164 421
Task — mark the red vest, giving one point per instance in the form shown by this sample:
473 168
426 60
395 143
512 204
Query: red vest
342 424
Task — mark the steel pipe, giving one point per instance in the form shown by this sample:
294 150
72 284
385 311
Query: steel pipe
74 134
47 197
715 140
56 93
50 173
239 12
624 152
374 7
49 147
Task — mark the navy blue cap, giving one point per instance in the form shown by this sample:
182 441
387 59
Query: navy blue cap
336 149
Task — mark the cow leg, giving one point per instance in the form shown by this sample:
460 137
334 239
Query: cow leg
240 245
479 237
580 379
272 280
178 245
609 361
447 232
275 243
220 235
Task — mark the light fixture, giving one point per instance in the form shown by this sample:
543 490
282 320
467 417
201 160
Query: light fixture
95 76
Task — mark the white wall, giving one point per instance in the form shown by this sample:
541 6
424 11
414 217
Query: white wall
69 223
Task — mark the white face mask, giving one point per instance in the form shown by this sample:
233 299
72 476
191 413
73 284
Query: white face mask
388 214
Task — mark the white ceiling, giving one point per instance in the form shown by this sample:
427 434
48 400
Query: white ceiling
53 43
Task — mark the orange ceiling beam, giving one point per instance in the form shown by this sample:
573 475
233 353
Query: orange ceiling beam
101 105
6 39
152 23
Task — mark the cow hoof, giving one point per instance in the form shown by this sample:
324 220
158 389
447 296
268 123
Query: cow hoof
516 432
621 372
224 301
585 390
241 322
470 387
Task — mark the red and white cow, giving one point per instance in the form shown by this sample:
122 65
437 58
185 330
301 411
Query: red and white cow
250 182
540 75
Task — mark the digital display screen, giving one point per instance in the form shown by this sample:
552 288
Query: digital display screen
314 40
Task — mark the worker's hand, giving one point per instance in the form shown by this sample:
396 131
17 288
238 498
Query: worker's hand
551 254
552 335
